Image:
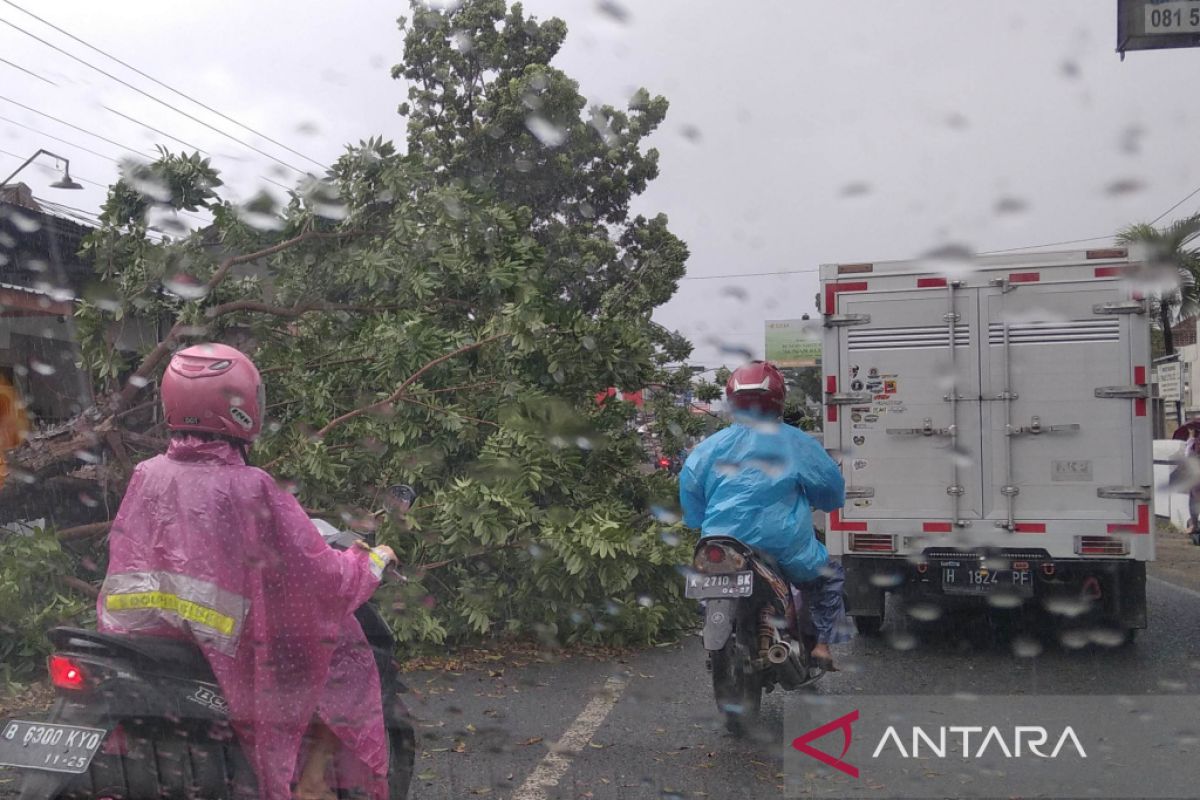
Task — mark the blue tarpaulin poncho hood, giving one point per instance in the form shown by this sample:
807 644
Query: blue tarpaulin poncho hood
757 482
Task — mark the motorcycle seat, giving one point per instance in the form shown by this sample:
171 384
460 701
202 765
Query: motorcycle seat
175 657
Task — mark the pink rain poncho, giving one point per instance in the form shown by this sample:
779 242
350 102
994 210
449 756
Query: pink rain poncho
207 548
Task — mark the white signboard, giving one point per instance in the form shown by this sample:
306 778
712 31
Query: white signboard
1169 382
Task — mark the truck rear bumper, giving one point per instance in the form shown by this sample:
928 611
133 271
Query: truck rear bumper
1112 589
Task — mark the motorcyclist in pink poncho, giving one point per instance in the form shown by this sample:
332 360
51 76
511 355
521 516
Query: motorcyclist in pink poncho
208 548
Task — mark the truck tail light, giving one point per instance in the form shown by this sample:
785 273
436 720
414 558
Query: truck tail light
1101 546
873 542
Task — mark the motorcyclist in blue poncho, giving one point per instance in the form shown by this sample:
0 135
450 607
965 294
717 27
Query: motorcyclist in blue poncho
758 481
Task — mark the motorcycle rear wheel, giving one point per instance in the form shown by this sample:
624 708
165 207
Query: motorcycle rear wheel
737 687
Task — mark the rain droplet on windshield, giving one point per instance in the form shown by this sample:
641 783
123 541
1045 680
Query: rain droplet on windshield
185 286
545 131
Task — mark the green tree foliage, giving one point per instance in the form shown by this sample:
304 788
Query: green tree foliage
445 317
1171 269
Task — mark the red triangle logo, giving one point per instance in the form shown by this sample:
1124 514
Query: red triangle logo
843 724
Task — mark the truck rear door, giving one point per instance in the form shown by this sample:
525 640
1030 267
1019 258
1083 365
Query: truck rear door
1053 447
909 452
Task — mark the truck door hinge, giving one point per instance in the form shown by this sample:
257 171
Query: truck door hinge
1036 427
1124 493
952 316
846 399
926 429
1010 491
1121 307
846 320
1123 392
955 491
859 492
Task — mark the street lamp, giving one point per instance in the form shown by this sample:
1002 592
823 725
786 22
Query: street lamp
64 182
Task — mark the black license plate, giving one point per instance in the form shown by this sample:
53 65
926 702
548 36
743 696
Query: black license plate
729 584
48 745
978 579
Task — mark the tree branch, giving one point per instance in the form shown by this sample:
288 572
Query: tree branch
84 531
446 411
141 376
290 312
402 388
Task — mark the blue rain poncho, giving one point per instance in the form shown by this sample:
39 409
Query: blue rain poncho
758 482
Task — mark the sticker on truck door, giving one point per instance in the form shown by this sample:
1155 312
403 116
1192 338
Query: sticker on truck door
1071 471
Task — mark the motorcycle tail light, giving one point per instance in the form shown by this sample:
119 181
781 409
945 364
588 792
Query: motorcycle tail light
65 673
715 554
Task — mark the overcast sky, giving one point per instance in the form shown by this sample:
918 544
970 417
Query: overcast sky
800 133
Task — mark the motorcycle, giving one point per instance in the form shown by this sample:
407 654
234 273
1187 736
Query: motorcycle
756 634
140 717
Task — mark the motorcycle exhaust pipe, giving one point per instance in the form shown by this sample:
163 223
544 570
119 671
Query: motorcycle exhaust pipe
780 652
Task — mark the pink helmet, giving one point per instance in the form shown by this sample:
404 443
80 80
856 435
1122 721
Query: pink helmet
213 388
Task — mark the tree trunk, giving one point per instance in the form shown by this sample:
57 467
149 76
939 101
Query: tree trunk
1164 315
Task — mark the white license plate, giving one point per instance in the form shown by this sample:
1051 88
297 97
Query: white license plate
48 746
729 584
978 580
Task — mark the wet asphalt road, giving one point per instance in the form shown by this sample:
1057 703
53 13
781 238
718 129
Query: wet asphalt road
493 735
646 726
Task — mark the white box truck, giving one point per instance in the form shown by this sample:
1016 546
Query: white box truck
993 426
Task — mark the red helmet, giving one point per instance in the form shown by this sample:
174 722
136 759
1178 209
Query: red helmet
758 387
213 388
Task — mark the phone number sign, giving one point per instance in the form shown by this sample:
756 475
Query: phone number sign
1157 24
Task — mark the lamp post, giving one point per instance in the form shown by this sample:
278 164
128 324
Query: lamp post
65 182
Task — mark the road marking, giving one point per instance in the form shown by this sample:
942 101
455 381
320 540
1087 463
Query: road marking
555 764
1175 586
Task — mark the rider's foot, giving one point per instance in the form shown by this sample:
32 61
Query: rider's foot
823 657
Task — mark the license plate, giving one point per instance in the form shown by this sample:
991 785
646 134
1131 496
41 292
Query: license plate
48 746
729 584
977 579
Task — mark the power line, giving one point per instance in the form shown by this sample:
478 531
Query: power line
70 125
747 274
57 139
149 96
1047 244
27 71
148 126
1195 192
168 87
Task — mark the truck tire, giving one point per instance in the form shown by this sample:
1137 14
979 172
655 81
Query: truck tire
868 626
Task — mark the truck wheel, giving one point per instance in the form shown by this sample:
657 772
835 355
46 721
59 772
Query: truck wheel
868 626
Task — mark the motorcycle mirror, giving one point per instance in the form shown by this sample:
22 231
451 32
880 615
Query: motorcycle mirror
400 498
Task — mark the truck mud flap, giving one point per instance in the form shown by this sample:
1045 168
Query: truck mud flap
718 622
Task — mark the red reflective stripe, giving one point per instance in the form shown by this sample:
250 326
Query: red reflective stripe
1109 272
1031 527
1139 407
1141 526
1139 376
832 289
831 413
836 523
1024 277
931 283
1138 296
937 527
831 383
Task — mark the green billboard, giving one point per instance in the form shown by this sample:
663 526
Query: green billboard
793 343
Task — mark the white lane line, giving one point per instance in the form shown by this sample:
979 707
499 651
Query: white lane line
556 763
1175 586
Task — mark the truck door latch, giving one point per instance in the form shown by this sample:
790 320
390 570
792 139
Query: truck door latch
926 429
1123 307
1122 392
1036 428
